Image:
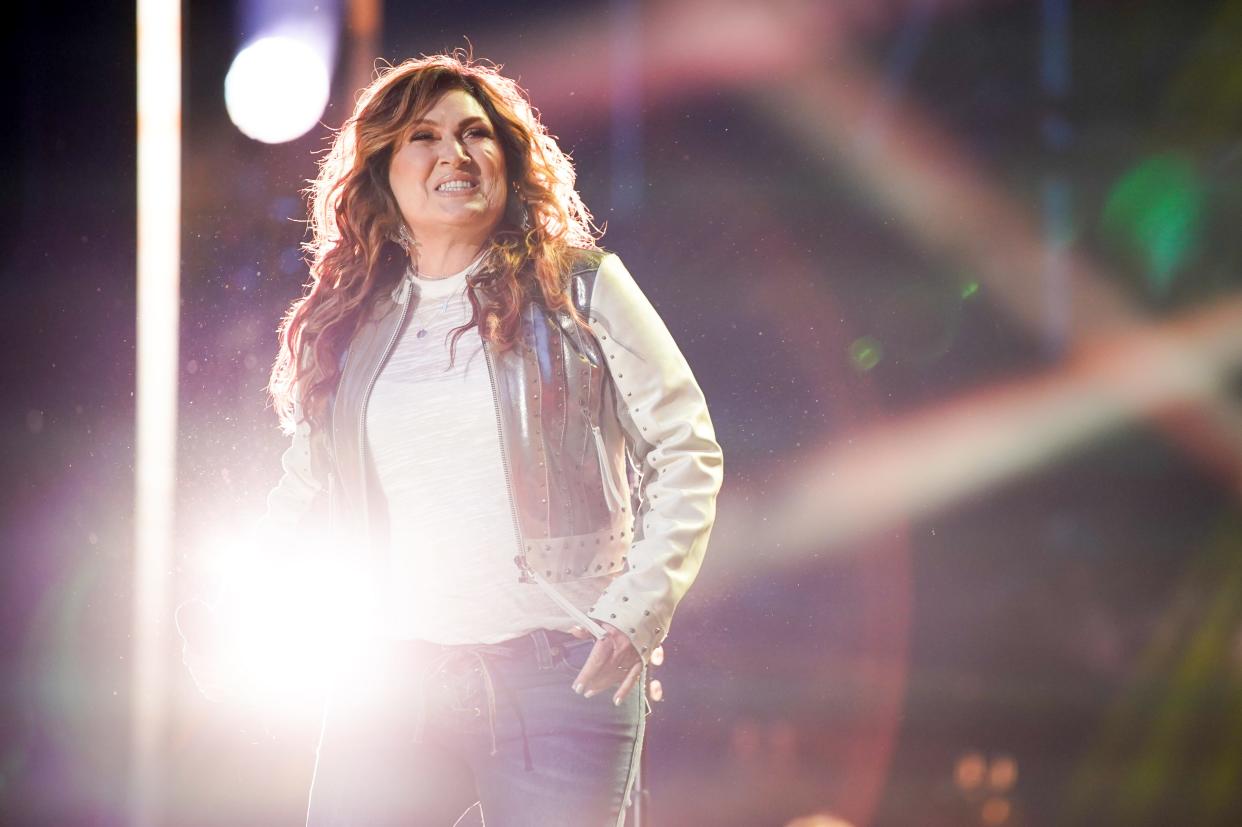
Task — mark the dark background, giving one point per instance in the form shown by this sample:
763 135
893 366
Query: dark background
1079 619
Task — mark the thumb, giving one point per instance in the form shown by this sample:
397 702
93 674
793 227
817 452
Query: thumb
579 632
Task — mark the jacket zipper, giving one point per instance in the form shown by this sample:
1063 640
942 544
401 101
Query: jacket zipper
520 559
611 494
366 398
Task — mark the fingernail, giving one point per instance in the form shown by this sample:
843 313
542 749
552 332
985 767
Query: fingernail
616 700
578 688
589 693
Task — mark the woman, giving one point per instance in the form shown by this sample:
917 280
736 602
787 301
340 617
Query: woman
466 382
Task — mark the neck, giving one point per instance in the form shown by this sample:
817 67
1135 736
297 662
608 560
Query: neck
436 260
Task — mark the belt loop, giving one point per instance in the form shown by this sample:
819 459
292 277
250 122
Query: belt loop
543 650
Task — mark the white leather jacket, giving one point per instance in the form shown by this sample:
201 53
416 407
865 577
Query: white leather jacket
574 412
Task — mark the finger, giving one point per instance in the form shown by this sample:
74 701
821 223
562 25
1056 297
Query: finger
628 683
610 669
579 632
601 653
611 673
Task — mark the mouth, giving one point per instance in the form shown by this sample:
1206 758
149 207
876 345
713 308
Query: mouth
457 186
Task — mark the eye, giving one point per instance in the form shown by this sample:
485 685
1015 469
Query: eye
421 136
478 131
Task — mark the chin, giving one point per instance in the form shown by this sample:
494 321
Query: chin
472 218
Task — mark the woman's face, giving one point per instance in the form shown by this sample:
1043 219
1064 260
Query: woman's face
448 172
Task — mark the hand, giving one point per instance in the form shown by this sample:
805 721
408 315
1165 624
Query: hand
613 660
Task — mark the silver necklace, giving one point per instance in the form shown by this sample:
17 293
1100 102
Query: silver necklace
421 331
444 305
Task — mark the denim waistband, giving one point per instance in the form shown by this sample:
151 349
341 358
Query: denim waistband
543 644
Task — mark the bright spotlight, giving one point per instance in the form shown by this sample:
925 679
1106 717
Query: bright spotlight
276 89
285 626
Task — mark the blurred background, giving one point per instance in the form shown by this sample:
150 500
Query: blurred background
959 278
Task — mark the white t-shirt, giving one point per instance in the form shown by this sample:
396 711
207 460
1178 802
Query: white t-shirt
432 434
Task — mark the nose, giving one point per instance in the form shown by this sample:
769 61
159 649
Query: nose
453 152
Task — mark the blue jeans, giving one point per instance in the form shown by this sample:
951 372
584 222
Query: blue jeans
424 731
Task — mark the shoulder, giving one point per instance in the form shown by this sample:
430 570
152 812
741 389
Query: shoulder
585 261
583 273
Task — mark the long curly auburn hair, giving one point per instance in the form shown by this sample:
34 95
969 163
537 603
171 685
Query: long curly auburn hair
354 217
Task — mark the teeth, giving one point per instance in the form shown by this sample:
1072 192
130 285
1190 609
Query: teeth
455 185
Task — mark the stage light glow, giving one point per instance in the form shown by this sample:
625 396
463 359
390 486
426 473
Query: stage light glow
1154 212
1002 773
995 811
277 89
969 771
819 820
287 627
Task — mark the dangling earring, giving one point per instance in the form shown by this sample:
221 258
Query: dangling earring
404 239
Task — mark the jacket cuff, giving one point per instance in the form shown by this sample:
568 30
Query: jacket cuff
645 627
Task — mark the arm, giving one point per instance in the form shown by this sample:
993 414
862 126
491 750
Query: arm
665 419
296 507
290 501
290 506
203 626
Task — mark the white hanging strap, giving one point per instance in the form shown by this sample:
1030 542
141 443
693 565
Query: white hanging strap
573 611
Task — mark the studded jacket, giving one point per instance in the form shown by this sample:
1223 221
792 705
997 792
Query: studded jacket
574 413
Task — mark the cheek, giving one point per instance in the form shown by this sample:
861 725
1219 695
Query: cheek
499 178
496 162
403 175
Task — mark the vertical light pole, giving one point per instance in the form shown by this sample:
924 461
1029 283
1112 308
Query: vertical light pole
159 211
364 23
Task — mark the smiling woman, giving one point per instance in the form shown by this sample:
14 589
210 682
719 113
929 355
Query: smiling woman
520 585
449 181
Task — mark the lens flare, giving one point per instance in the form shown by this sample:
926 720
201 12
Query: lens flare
865 353
287 628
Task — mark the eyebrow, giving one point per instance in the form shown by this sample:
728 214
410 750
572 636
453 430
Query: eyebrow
462 122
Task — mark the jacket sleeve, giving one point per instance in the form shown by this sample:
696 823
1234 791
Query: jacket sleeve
293 507
664 416
290 502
